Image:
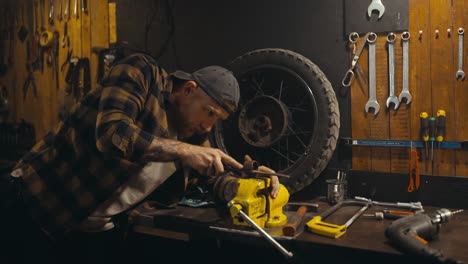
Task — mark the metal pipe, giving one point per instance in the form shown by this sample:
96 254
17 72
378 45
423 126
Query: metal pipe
262 232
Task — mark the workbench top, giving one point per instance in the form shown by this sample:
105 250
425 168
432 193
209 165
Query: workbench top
366 234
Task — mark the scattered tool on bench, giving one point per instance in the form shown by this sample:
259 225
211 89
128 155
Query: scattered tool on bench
318 226
389 214
294 221
411 234
414 206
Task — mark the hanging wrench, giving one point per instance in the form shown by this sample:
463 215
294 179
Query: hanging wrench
372 102
391 71
66 12
405 94
377 6
59 12
460 72
75 9
51 12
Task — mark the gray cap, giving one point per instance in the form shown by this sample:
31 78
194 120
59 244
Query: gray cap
218 82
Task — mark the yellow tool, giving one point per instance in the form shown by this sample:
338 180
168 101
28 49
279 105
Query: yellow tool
253 198
253 206
318 226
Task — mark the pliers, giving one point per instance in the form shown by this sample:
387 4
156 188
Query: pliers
30 80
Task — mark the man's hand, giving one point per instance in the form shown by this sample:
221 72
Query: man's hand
207 161
275 184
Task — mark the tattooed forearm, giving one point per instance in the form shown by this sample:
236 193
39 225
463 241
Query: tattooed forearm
163 150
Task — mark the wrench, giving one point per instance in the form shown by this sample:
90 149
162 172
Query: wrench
391 71
405 94
66 12
377 6
59 11
51 13
372 102
460 72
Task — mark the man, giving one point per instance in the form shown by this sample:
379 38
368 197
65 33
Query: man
119 143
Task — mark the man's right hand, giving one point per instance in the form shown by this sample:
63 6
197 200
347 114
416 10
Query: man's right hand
206 160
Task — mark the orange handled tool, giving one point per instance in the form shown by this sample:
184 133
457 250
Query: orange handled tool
414 170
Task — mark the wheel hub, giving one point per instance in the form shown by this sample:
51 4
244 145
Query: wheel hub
263 121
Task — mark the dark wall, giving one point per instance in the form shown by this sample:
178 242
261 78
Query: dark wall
191 34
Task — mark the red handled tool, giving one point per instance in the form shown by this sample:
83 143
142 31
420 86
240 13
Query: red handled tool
414 170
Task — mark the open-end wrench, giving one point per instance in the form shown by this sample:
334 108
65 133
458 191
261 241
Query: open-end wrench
59 11
377 6
372 102
75 9
405 94
460 72
391 71
66 12
51 12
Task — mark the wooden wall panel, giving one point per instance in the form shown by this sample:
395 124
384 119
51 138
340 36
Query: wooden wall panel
442 77
433 64
85 31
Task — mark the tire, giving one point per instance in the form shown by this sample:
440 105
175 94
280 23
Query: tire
288 117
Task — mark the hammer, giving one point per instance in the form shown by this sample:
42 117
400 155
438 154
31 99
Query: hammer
294 221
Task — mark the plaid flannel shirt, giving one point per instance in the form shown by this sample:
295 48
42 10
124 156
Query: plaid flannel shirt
88 156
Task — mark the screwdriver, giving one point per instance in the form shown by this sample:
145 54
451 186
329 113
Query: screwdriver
425 130
389 214
440 134
432 128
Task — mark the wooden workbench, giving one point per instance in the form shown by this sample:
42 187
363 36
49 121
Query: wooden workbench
364 240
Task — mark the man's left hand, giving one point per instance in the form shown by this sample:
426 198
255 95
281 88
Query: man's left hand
275 184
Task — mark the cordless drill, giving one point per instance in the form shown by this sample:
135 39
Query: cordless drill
411 233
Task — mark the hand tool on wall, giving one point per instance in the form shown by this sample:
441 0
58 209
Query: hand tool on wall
376 5
75 9
84 6
460 72
66 11
318 226
405 94
294 221
411 234
60 10
424 130
440 134
349 76
30 80
65 38
391 72
78 77
372 101
414 177
432 130
416 206
51 12
23 31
